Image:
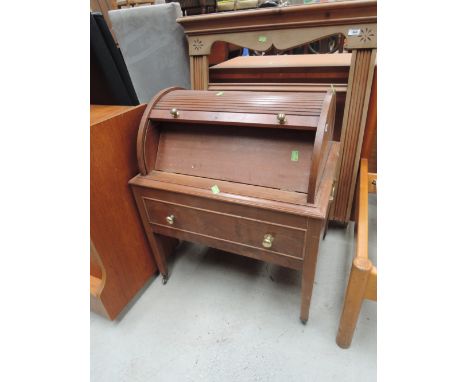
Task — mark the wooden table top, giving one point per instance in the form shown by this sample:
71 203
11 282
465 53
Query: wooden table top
286 61
99 113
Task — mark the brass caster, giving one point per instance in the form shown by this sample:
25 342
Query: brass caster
164 279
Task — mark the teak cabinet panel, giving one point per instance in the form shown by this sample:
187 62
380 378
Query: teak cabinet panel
121 259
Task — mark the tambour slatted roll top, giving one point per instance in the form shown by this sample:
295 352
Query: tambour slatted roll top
302 110
271 140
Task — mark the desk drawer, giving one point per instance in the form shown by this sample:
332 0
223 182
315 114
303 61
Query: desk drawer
218 225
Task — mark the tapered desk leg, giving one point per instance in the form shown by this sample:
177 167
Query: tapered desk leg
308 270
355 293
160 255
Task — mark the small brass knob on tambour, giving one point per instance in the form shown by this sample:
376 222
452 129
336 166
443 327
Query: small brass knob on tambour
174 112
281 118
170 219
267 240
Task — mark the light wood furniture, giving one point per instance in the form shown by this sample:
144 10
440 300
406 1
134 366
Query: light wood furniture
362 282
369 144
245 172
288 27
299 68
121 259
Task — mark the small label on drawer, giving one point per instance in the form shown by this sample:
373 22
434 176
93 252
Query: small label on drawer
295 155
215 189
262 38
354 32
219 93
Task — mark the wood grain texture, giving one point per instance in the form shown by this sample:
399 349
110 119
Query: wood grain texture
362 283
318 15
233 222
288 27
238 189
288 241
369 144
248 156
199 72
313 68
116 230
356 107
148 136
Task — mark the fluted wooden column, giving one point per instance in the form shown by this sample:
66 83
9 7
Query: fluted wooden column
354 122
199 72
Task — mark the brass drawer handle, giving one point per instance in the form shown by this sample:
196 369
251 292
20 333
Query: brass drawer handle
174 112
170 219
267 240
281 118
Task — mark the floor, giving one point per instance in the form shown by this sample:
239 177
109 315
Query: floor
222 317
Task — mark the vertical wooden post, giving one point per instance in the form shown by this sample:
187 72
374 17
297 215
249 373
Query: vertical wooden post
355 294
199 72
354 122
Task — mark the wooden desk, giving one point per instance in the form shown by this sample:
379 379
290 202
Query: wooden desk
285 28
246 172
121 260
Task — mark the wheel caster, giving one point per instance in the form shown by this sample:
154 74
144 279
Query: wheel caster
164 279
304 321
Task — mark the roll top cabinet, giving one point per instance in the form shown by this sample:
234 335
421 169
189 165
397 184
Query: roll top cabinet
250 173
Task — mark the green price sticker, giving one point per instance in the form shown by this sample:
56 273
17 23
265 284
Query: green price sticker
295 155
215 189
219 93
262 38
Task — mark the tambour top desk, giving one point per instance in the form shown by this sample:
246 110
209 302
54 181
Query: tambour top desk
245 172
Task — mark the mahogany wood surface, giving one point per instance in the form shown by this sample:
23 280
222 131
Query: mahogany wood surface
242 155
181 153
236 187
121 258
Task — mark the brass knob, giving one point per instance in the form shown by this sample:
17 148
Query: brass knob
170 219
174 112
281 118
267 240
